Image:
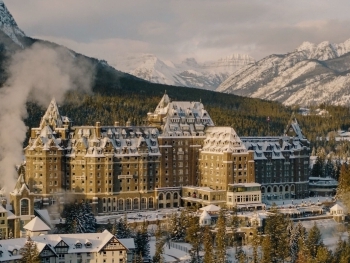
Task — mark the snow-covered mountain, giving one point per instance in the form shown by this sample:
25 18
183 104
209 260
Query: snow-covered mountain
9 26
311 74
188 73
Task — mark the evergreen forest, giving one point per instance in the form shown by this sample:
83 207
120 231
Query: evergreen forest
117 96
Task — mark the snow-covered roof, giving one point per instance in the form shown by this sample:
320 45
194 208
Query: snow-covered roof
44 215
337 207
97 240
210 208
36 225
182 118
128 242
205 215
222 139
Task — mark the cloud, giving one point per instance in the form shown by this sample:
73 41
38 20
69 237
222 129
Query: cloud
173 29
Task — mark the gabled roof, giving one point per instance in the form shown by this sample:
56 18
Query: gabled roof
44 215
205 215
210 208
36 225
337 207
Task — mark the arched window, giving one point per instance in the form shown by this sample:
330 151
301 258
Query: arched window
136 204
161 197
286 188
292 188
275 189
143 203
128 204
24 207
176 196
281 188
168 196
150 203
262 190
120 204
269 189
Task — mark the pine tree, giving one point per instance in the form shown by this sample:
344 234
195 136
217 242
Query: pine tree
266 250
160 241
79 218
177 226
318 168
341 245
208 246
296 236
329 168
194 236
114 228
276 228
141 240
323 255
29 252
234 225
122 228
255 245
343 190
314 240
220 250
241 257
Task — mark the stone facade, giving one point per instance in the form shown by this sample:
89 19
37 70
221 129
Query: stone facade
281 163
123 168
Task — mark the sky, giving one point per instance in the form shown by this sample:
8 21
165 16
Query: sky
177 29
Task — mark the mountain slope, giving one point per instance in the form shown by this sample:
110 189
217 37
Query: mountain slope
9 26
188 73
312 74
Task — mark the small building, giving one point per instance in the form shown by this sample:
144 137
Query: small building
244 196
322 186
205 219
62 248
338 213
36 227
202 196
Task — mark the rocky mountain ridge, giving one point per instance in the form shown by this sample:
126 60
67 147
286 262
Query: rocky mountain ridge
311 74
188 73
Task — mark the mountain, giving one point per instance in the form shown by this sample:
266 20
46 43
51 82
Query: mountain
9 27
311 74
188 73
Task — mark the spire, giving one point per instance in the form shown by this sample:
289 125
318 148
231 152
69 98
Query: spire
20 184
52 116
163 103
293 129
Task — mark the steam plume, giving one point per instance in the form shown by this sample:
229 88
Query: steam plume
35 74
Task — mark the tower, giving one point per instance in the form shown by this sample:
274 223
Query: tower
22 201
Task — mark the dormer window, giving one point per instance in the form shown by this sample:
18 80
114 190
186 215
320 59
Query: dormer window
78 245
88 244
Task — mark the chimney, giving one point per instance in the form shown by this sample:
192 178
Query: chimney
98 129
4 203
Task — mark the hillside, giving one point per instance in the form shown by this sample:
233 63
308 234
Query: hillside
118 96
309 75
188 73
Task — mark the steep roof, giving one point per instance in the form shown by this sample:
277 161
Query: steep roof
36 225
205 215
20 185
222 139
52 116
